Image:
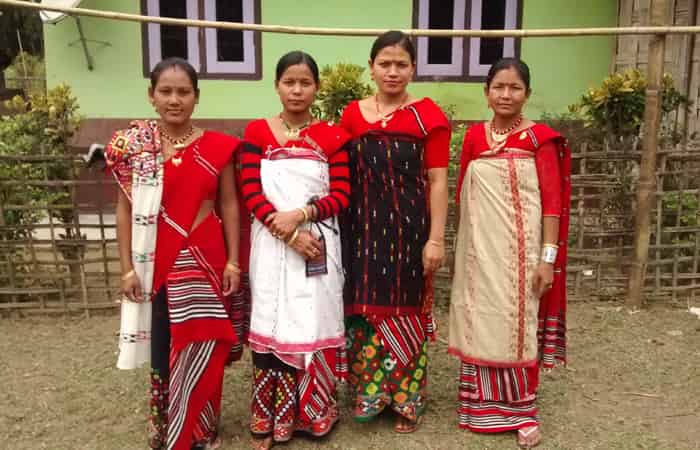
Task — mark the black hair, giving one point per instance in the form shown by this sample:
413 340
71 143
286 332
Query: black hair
516 64
391 38
294 58
175 63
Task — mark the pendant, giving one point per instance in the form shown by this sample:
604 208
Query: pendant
177 160
179 146
292 133
498 137
383 123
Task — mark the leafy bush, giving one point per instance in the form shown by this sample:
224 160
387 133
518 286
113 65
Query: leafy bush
340 84
43 125
27 72
617 105
683 203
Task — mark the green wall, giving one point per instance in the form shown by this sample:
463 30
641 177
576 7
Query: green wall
562 68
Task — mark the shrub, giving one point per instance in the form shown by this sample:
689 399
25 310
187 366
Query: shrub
340 84
617 105
27 72
43 125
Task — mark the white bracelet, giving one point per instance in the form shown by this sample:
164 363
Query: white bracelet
549 253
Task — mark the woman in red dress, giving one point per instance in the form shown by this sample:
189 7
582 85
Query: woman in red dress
393 235
507 311
295 182
179 258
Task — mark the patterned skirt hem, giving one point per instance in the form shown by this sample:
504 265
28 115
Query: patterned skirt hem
496 417
497 428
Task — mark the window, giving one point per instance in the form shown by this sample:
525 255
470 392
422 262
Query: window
463 58
213 52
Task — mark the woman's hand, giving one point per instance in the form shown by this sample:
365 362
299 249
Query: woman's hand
306 245
131 287
231 279
433 256
544 276
283 223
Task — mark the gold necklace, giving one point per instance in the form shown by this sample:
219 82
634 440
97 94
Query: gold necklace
293 132
177 143
387 117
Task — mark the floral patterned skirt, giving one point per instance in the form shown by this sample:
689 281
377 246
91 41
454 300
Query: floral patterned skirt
377 377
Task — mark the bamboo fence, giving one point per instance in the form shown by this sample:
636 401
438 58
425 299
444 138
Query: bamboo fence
76 271
66 260
43 271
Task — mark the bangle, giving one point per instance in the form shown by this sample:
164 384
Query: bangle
549 253
235 268
128 275
434 242
291 240
306 214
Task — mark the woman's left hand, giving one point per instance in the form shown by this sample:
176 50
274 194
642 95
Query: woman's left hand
433 257
231 280
283 223
544 276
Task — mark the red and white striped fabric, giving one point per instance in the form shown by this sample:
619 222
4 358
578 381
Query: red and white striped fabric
493 400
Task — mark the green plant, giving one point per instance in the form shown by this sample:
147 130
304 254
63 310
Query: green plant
456 141
27 72
42 125
340 84
684 204
617 105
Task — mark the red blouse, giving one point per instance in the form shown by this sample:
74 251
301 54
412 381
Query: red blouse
329 137
546 162
437 141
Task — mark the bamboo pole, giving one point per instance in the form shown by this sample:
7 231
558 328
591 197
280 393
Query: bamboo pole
596 31
690 52
658 15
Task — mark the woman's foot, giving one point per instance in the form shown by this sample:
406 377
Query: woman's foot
322 427
262 443
405 426
213 445
529 437
283 432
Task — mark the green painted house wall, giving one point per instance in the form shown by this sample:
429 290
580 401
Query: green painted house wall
562 68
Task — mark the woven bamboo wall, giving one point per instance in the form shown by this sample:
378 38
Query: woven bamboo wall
682 51
68 260
44 272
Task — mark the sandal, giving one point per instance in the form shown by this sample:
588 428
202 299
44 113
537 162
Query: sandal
262 443
529 437
260 426
283 432
322 427
405 426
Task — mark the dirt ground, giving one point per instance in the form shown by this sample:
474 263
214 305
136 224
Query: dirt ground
633 382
